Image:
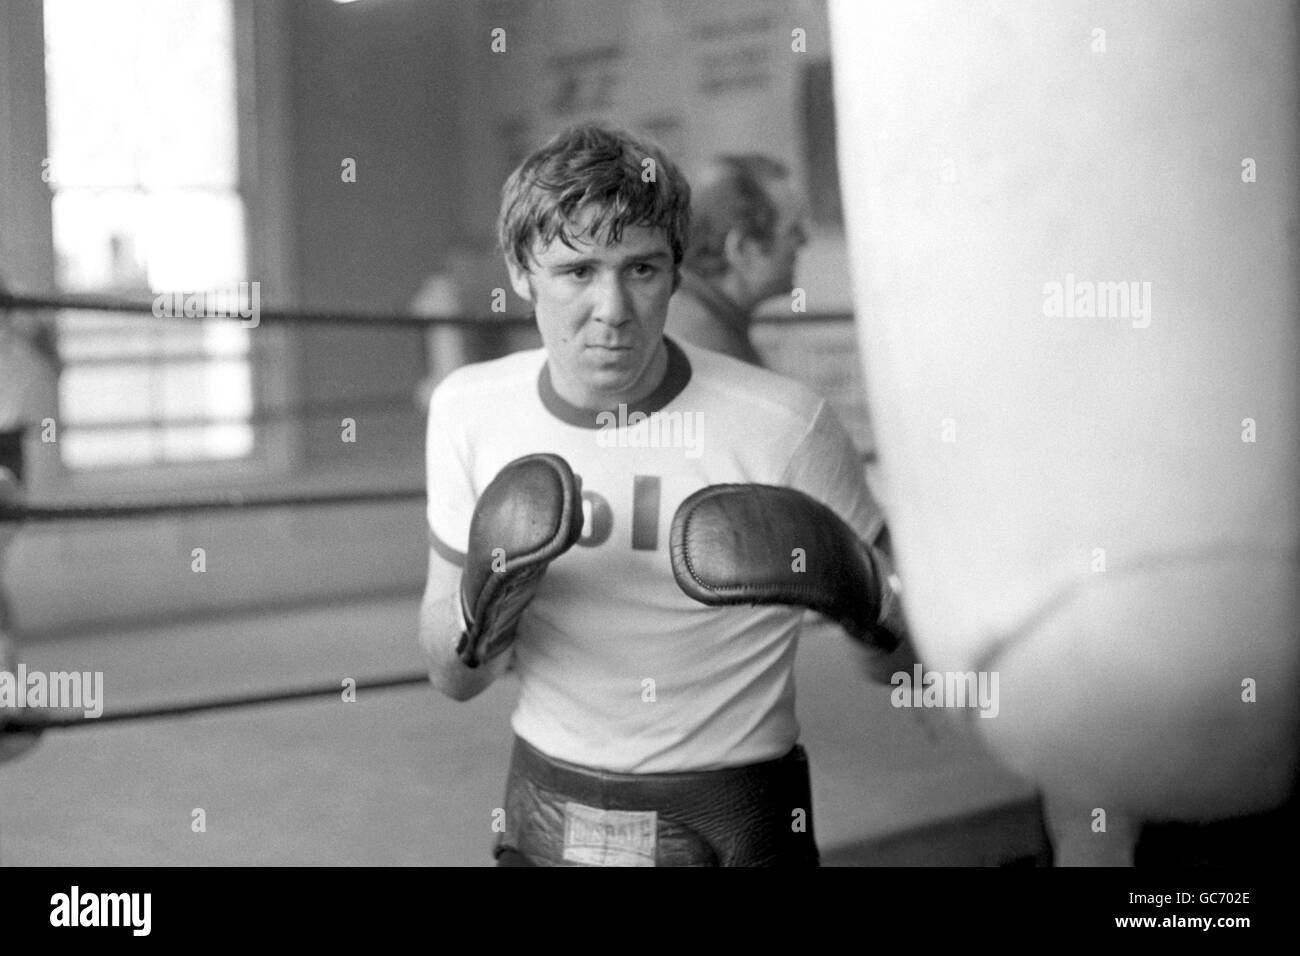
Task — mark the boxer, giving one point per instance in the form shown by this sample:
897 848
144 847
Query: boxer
584 501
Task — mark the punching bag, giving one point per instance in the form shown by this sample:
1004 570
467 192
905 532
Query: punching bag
1073 230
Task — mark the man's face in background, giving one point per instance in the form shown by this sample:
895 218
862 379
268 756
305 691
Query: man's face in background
771 263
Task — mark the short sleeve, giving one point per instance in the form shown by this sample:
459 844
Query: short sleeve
827 465
450 481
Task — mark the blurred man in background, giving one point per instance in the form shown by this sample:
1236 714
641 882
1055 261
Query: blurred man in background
746 232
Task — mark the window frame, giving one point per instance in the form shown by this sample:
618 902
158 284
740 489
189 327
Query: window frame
261 109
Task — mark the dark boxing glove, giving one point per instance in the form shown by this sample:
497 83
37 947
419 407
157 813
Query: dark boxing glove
528 516
736 544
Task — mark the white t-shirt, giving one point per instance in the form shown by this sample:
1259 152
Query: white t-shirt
618 669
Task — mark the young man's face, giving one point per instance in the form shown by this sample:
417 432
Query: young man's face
601 309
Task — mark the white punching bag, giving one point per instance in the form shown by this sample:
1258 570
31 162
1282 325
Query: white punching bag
1073 229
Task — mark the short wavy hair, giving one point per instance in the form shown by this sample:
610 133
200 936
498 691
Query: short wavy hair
597 167
732 194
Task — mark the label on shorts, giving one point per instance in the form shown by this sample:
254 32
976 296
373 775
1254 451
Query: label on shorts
609 837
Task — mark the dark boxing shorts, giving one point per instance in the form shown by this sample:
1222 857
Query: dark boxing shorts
561 814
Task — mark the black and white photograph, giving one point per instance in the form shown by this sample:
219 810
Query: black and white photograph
650 433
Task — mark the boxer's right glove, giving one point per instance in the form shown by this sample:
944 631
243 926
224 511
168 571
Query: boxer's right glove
528 516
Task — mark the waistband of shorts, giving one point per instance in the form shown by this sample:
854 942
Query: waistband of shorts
576 780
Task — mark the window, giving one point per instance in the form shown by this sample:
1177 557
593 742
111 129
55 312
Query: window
144 170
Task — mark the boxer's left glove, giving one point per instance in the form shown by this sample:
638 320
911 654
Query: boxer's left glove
759 544
528 516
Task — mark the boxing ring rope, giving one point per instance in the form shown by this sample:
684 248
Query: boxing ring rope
233 500
21 725
108 303
93 302
260 416
13 513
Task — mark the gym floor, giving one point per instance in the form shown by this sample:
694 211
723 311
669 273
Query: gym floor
407 777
